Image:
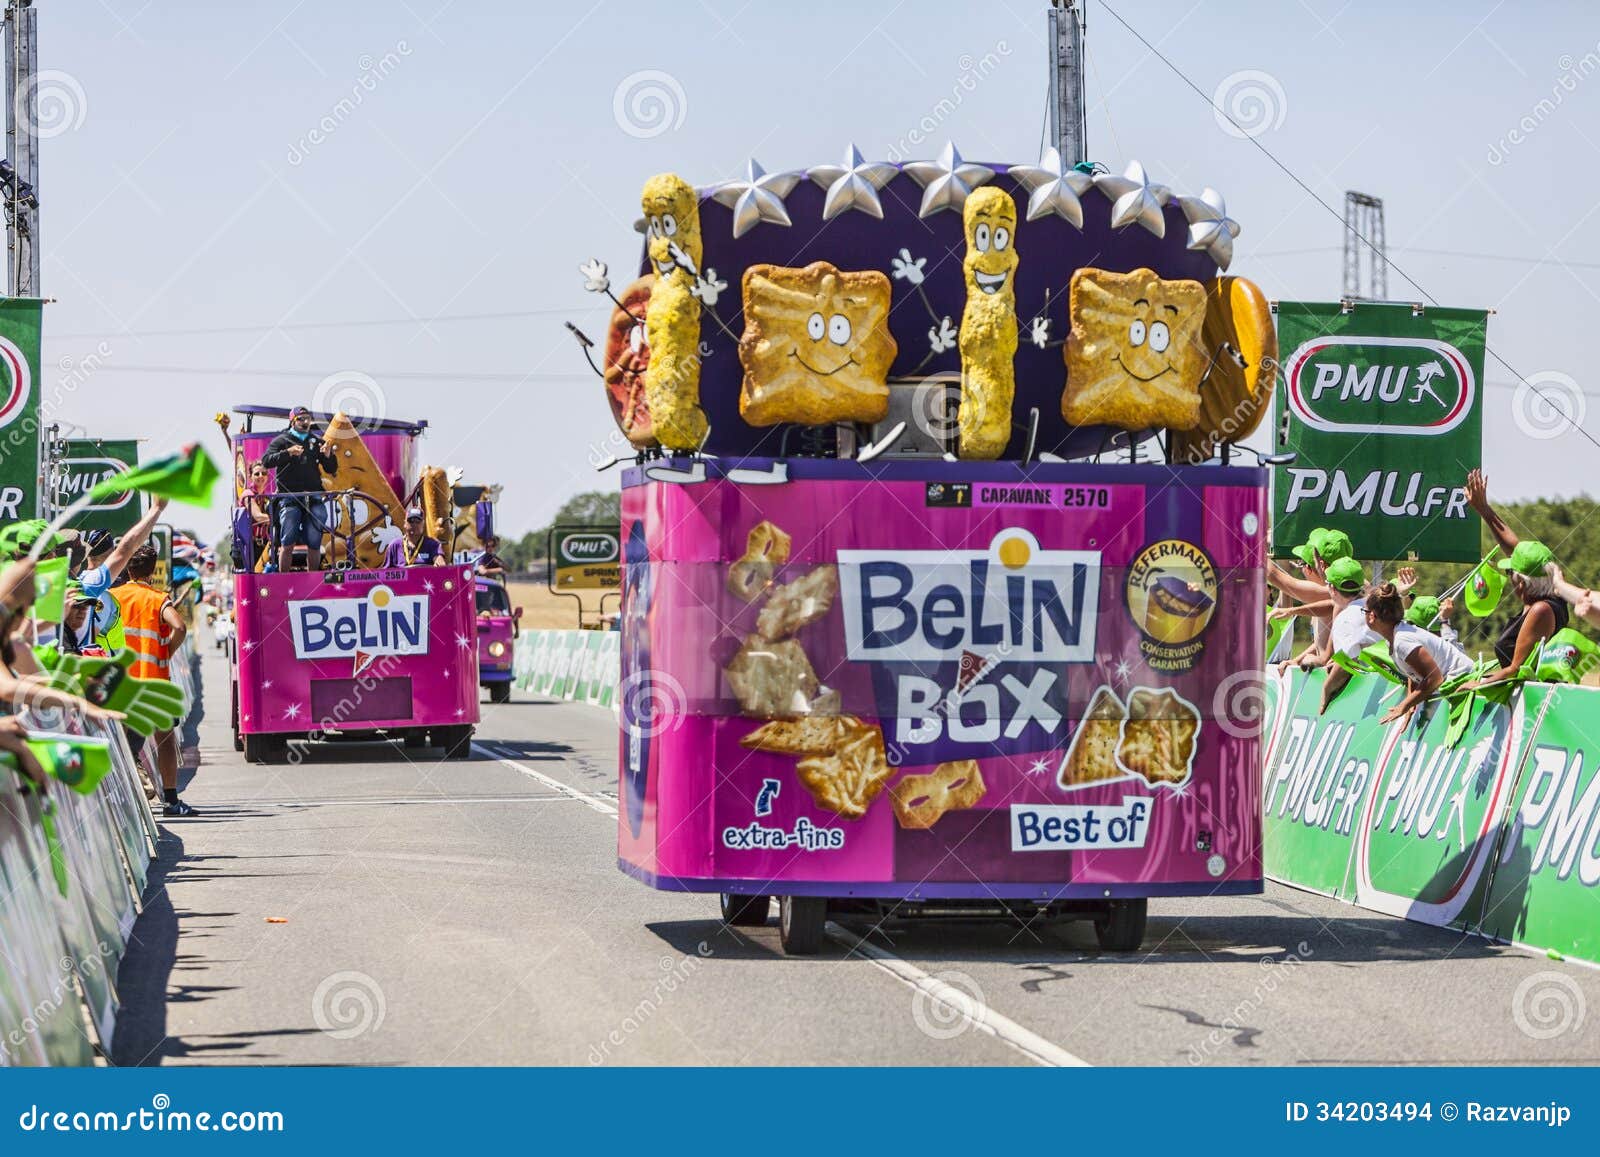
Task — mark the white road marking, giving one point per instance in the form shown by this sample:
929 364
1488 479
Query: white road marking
604 807
1027 1042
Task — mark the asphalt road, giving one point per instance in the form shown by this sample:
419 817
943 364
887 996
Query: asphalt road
368 908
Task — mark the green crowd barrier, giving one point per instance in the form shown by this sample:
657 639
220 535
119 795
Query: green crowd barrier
583 666
1493 831
73 866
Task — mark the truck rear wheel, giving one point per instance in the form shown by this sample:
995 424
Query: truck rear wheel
745 911
1121 929
456 741
265 748
800 921
499 692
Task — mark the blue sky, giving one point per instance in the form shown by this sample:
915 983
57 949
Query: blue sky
477 155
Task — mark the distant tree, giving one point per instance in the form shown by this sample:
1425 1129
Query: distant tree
593 507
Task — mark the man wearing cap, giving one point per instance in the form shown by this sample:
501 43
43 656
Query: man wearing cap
107 559
1529 565
154 632
77 626
1349 634
415 548
299 456
1322 546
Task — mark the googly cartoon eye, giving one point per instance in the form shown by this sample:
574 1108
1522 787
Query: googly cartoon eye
839 329
1136 333
1160 337
670 224
1002 237
816 327
980 238
653 227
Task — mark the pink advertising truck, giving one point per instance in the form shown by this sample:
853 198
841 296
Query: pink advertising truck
353 652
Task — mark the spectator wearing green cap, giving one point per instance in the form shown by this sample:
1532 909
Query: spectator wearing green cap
1321 547
1432 614
1350 633
1528 563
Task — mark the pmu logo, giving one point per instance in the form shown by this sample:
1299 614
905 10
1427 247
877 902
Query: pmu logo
18 383
1380 385
382 623
919 606
589 548
81 475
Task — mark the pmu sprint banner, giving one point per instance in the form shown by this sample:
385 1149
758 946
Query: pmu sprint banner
1382 406
20 319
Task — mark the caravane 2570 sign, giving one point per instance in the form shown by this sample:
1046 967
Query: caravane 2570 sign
1381 404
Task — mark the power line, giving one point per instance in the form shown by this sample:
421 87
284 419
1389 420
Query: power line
318 374
1464 253
1312 193
507 315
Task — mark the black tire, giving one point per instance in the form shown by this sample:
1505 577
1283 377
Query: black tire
745 911
1121 929
499 692
456 741
265 748
800 921
238 740
415 739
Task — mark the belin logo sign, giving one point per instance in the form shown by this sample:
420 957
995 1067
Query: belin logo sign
1380 385
381 623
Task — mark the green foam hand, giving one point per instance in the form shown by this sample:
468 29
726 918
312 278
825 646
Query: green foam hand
77 761
150 705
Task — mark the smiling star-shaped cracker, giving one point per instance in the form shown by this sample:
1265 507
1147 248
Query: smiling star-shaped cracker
1134 358
816 347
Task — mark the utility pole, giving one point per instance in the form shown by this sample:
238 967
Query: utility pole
20 176
1065 41
1363 218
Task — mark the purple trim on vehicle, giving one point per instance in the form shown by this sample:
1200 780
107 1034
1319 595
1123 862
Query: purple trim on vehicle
932 470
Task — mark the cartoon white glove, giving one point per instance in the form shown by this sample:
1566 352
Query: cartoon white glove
1041 331
594 272
682 259
707 288
942 337
908 269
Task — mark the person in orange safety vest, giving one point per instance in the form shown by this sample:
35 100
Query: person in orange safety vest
153 630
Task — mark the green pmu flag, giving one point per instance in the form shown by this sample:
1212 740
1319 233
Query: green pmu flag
187 476
20 320
1382 406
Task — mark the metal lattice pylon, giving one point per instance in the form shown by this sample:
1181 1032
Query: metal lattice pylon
1363 218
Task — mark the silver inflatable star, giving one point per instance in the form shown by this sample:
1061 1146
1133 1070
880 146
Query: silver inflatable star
852 185
1134 198
1210 227
759 197
1053 187
946 181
